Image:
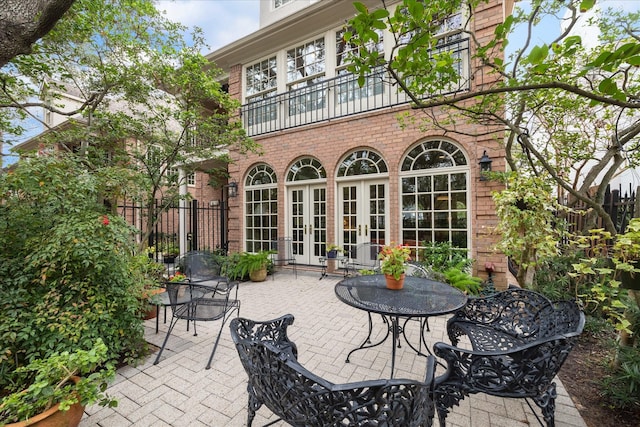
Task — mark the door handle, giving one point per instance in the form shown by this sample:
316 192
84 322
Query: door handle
305 229
310 228
359 230
366 229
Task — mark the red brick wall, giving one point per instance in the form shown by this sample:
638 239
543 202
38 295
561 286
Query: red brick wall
329 142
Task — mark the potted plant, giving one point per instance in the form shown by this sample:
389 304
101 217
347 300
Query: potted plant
61 386
333 250
393 264
169 253
626 254
254 265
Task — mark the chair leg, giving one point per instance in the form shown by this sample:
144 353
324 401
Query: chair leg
215 346
253 405
173 323
547 402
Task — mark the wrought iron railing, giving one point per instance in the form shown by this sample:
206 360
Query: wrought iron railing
340 96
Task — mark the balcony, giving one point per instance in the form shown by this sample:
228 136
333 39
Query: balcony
337 97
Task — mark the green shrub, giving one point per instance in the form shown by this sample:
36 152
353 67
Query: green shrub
552 277
69 270
441 256
51 382
622 387
462 280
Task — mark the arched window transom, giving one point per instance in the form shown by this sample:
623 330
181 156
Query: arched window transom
306 169
363 162
433 154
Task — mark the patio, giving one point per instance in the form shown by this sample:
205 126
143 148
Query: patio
180 392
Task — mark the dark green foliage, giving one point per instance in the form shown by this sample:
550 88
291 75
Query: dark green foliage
69 271
464 281
552 277
450 264
440 256
247 262
51 381
622 387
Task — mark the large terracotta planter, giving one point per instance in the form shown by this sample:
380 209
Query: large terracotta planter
53 417
393 283
152 309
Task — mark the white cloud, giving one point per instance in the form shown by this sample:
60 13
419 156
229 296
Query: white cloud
222 21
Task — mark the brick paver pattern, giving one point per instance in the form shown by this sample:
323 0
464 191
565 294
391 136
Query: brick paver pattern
180 392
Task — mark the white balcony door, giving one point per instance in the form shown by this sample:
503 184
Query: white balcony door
307 222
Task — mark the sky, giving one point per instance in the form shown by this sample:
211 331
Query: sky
223 21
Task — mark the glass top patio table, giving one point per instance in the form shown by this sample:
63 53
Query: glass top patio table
419 298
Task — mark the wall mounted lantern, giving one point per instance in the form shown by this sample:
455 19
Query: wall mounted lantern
485 165
233 189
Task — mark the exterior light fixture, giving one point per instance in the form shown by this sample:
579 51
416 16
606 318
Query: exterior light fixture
485 165
233 189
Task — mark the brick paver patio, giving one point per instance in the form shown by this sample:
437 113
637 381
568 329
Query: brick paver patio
180 392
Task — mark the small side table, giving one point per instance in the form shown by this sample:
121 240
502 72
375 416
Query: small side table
342 259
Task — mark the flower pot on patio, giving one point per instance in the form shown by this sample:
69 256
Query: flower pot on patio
393 283
54 417
259 275
332 254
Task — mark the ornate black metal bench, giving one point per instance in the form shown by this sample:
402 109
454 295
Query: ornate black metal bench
300 398
519 341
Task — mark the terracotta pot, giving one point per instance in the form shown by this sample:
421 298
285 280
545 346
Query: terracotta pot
151 312
53 417
152 309
393 283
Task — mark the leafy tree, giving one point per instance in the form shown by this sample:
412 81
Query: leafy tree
148 99
570 110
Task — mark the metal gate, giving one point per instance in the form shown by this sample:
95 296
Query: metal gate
179 229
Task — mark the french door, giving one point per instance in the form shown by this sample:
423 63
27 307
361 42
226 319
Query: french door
363 213
307 224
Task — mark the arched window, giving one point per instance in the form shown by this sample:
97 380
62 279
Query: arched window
306 169
261 208
363 162
435 202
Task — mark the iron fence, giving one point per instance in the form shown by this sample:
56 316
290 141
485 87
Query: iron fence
179 229
621 207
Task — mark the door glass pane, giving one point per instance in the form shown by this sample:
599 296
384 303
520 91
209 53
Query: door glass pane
319 223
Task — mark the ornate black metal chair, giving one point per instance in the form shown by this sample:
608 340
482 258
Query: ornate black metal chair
519 341
300 398
203 304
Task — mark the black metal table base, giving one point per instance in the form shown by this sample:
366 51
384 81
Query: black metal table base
395 329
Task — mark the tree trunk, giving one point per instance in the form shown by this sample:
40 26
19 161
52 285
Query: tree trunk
23 22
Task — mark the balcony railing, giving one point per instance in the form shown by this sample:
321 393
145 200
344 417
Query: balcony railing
337 97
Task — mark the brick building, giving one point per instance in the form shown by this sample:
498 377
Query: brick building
337 166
